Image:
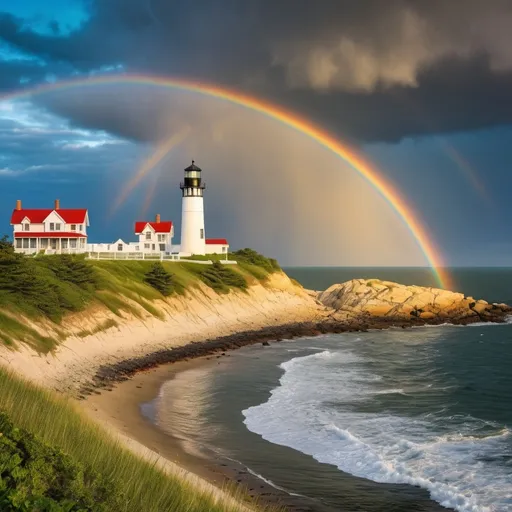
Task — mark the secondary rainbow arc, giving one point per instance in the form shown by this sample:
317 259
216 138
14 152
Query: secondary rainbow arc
405 212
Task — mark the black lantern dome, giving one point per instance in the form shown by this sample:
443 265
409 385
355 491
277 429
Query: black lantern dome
192 185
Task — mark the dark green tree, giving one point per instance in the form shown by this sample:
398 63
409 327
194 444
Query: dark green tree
6 245
160 279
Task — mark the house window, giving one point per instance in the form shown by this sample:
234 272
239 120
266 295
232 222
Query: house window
73 227
64 243
25 243
153 247
26 227
119 247
33 243
136 247
146 246
52 226
223 248
148 235
162 247
72 243
81 227
18 243
201 233
57 227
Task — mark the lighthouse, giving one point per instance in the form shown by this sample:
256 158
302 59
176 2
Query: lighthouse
192 212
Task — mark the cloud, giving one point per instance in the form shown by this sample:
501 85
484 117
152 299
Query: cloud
370 71
268 186
35 141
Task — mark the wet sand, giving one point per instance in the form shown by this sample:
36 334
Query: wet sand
119 407
115 394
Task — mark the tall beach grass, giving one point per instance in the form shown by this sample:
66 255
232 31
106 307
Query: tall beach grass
142 485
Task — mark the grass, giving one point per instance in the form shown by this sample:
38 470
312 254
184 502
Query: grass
50 287
12 331
52 457
135 483
107 324
219 277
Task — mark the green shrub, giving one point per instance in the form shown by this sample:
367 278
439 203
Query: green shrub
254 258
72 269
221 277
49 286
139 485
36 477
160 279
218 276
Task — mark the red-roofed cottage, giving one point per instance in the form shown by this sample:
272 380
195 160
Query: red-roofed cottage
216 246
57 230
154 236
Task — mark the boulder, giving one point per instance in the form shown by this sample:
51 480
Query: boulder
373 298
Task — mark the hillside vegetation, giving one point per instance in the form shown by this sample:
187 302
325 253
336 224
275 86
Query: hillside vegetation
56 460
50 287
52 457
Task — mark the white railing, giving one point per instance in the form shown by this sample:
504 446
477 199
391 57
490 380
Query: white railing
49 251
139 256
124 256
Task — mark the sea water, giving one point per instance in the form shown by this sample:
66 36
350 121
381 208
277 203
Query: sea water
398 420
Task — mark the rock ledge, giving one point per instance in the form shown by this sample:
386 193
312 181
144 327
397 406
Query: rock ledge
372 298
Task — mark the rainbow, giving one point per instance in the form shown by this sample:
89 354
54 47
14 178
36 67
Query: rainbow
290 119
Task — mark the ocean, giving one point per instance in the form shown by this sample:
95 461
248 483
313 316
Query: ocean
398 420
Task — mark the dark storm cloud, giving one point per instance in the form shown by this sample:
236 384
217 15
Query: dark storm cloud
34 144
372 71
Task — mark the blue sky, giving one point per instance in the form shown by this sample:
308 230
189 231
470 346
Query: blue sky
41 16
430 107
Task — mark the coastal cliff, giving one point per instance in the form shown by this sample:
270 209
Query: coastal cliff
104 344
99 336
120 323
372 299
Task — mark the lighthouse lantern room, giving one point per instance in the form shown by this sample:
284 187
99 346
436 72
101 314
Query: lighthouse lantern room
192 212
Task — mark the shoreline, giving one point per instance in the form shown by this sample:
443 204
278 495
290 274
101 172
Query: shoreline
107 375
110 373
120 410
115 394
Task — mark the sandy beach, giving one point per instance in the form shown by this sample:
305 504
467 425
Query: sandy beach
119 408
200 315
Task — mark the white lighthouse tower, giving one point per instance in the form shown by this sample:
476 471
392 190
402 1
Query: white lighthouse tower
192 212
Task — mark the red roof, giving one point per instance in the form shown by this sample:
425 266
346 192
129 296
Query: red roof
164 226
48 234
217 241
37 216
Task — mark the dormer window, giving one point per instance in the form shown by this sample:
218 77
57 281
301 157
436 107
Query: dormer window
26 226
148 235
52 226
73 227
57 226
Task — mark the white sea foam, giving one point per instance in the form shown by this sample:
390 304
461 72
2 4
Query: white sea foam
460 469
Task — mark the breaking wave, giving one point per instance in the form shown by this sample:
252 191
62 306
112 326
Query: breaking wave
323 407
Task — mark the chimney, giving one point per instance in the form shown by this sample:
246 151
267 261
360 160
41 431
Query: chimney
18 204
57 204
157 218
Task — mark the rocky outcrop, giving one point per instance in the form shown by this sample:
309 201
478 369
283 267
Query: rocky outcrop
373 299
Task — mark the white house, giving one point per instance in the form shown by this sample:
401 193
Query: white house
154 236
65 230
216 246
50 230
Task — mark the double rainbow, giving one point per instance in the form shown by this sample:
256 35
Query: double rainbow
404 211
